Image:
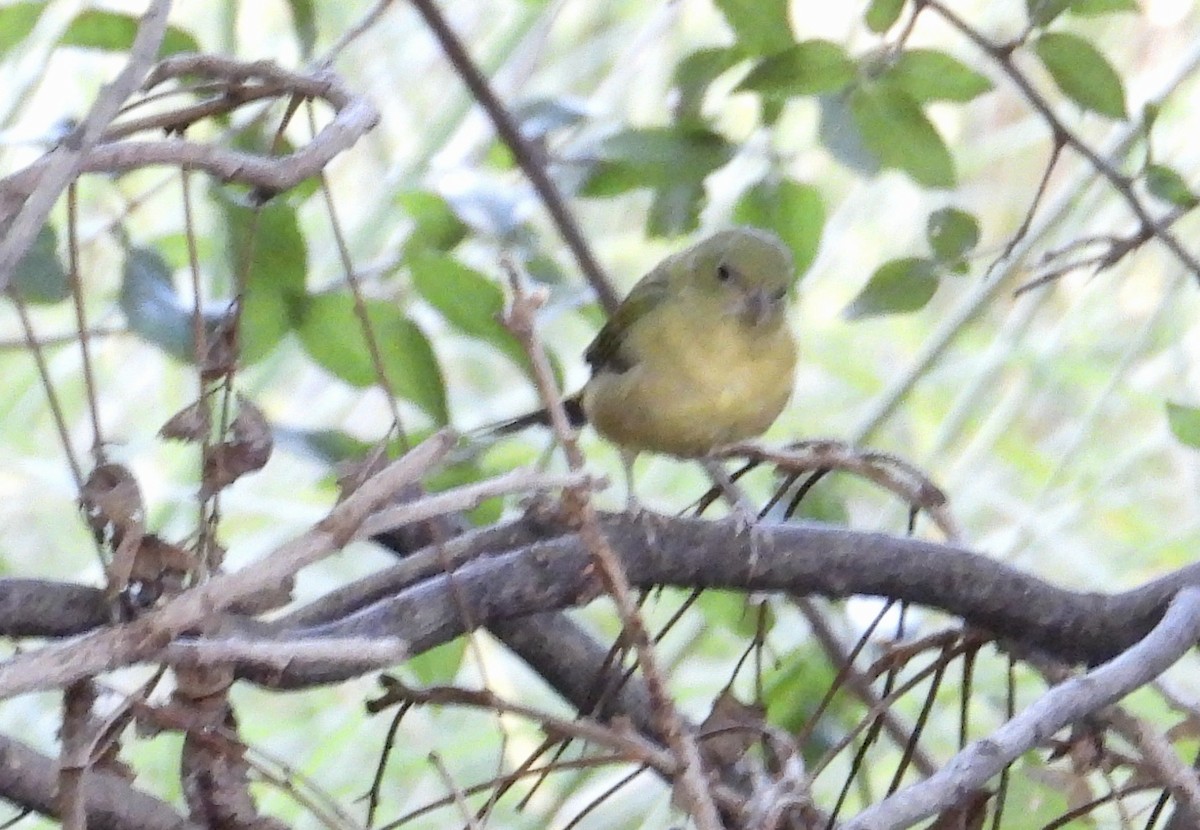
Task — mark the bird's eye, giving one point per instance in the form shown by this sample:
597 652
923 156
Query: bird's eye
779 295
724 273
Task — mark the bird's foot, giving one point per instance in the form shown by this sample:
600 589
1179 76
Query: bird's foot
745 523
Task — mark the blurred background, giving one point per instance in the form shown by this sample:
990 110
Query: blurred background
1045 416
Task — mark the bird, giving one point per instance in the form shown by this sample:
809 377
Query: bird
697 356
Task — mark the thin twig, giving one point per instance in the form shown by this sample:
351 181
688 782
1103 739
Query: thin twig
63 164
691 781
1120 183
354 116
973 767
526 157
54 665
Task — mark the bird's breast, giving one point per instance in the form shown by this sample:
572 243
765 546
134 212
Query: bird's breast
694 384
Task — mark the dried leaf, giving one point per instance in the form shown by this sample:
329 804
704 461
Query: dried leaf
220 350
216 782
730 729
192 424
111 502
968 814
112 505
160 568
247 450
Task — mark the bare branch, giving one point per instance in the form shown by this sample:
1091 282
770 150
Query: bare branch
62 164
354 117
974 766
29 779
523 153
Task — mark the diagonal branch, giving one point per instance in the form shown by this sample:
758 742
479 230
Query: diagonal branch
973 767
29 780
1002 55
524 154
65 161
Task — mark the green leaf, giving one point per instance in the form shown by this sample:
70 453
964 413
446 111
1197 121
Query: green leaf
808 68
796 212
305 23
1082 73
40 276
274 275
893 127
793 688
897 286
931 75
733 611
1043 12
332 334
952 234
1093 8
882 15
439 665
761 26
539 117
17 21
436 225
1185 423
468 300
151 305
656 157
1167 184
675 209
114 32
489 206
839 135
694 74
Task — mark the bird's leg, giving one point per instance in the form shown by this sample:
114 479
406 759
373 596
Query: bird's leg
742 510
632 505
744 516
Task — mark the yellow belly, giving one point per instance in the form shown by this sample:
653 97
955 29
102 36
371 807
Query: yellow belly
693 391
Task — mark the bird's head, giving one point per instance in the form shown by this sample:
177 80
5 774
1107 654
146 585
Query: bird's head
746 270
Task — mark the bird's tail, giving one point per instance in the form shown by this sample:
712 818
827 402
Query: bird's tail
539 417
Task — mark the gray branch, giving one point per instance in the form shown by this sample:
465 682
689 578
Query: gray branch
979 762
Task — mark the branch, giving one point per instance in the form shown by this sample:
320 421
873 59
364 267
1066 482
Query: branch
1121 183
524 154
62 165
1078 697
555 573
119 645
552 572
29 779
354 116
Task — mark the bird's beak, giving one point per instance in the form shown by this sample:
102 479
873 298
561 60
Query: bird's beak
758 306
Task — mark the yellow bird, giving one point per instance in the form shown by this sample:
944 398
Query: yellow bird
697 356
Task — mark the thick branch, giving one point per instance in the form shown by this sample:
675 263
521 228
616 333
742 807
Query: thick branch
554 573
801 559
56 665
30 780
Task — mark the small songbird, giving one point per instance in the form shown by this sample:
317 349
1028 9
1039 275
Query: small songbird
697 356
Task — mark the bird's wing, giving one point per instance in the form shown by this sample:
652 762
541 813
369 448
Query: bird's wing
607 353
